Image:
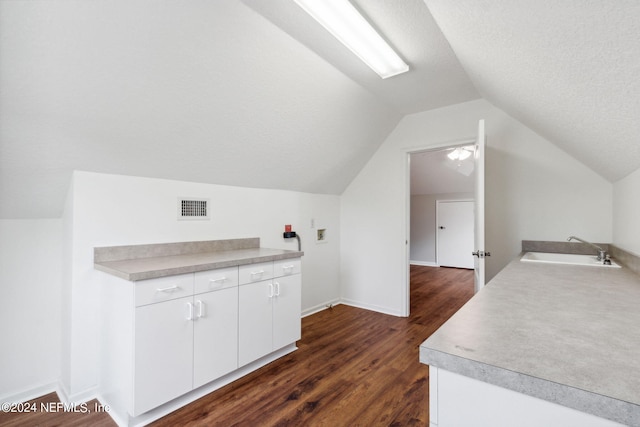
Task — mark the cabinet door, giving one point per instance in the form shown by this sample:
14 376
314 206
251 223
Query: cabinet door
215 346
163 361
286 310
255 321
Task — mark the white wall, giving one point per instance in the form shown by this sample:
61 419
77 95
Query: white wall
533 191
626 211
30 313
121 210
422 240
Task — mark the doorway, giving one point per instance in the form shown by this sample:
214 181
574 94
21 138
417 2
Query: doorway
436 176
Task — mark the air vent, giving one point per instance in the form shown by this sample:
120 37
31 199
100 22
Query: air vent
191 208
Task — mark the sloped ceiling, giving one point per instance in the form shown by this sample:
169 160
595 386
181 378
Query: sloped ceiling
432 172
435 79
200 90
253 93
569 69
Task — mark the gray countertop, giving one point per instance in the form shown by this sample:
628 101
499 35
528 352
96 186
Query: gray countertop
566 334
160 266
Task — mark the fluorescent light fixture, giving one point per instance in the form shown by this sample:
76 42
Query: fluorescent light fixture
346 24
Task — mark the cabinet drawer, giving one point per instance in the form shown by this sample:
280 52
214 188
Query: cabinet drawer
213 280
163 289
255 272
287 267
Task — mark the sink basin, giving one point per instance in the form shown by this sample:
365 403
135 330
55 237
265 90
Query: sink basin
571 259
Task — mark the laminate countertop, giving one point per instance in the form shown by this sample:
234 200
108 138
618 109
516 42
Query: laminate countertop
563 333
160 266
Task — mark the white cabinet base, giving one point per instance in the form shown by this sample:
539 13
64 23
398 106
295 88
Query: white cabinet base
169 341
459 401
122 418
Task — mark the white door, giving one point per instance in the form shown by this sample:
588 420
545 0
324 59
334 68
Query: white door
163 353
255 325
479 249
215 346
455 226
286 310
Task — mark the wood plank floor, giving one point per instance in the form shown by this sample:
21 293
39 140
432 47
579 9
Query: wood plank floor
353 367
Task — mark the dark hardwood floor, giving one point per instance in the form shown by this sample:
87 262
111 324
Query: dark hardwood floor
353 367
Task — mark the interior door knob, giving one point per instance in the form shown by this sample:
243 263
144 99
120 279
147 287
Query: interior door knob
480 254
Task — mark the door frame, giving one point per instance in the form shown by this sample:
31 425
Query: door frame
438 201
406 287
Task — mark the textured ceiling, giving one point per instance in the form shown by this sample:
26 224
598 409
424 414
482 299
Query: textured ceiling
567 69
435 79
254 93
200 90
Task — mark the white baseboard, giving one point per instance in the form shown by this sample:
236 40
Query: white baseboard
424 263
75 398
30 393
320 307
371 307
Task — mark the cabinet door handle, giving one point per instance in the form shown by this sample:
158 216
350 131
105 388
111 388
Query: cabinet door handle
277 285
189 311
200 306
168 289
270 290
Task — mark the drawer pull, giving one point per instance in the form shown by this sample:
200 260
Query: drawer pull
169 289
288 268
257 273
214 281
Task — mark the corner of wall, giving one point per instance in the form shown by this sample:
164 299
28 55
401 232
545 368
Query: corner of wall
65 296
626 210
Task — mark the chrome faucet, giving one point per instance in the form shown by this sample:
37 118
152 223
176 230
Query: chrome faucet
602 254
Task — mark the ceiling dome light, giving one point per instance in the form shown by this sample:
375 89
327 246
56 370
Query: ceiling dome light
459 154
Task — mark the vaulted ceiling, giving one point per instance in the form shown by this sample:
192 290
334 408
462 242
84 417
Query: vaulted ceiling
254 93
567 69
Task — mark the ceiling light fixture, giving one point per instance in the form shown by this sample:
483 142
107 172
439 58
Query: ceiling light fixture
346 24
459 153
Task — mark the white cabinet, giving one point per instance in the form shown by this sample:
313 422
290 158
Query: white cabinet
458 401
215 342
255 321
164 338
286 311
255 272
269 316
163 353
183 342
216 324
